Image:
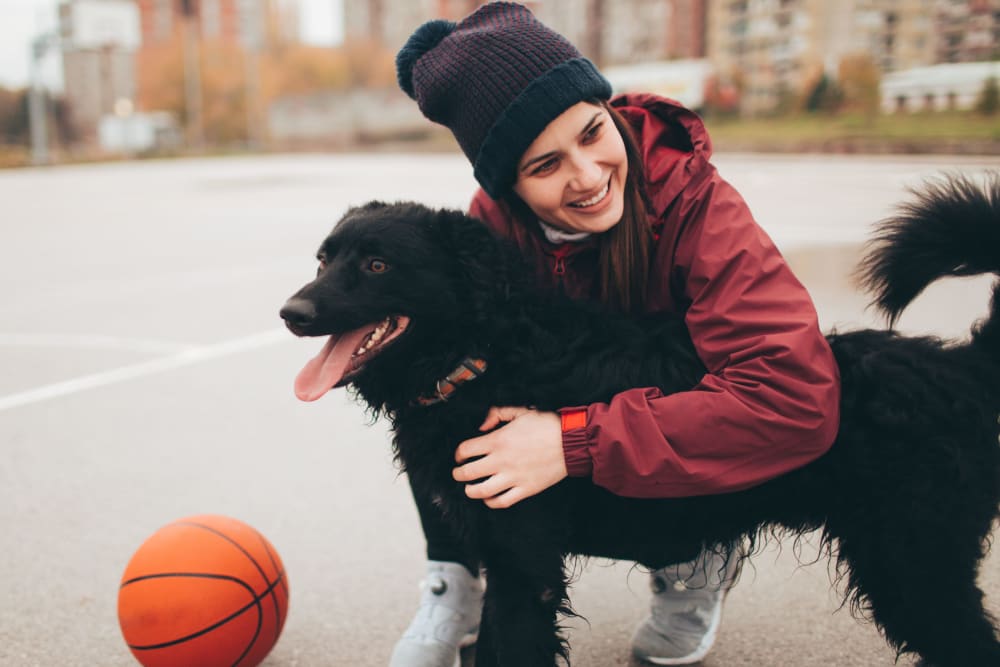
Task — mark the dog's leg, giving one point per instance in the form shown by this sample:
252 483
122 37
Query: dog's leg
919 584
524 595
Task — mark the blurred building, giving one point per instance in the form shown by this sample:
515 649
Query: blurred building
898 35
390 22
778 47
610 32
98 39
198 52
226 21
772 46
967 30
686 29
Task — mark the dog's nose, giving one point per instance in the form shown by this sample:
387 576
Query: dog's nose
298 312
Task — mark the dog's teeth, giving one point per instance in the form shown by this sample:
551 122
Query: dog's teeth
375 338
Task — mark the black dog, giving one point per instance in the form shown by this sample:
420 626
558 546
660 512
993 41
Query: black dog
906 497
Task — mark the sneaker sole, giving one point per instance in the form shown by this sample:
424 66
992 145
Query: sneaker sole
699 653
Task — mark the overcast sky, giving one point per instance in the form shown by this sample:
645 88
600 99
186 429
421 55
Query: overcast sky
21 20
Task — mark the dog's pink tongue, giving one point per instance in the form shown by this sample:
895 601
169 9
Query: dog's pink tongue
327 368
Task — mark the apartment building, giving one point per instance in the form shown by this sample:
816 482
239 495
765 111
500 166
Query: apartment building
227 21
774 48
967 30
610 32
777 46
98 40
898 35
771 45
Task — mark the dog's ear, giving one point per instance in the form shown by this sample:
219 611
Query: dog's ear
486 265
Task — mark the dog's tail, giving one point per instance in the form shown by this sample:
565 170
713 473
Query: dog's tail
950 228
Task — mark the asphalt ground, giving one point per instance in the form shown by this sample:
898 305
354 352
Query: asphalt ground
147 377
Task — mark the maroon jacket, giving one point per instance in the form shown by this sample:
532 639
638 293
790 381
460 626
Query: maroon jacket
770 400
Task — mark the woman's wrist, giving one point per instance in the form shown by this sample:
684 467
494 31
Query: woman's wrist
576 445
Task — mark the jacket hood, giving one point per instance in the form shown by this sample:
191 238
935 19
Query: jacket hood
674 143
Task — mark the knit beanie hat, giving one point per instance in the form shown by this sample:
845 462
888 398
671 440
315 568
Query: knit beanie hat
496 79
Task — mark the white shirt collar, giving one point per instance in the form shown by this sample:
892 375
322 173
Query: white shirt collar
556 235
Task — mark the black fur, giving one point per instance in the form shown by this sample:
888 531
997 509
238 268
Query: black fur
905 499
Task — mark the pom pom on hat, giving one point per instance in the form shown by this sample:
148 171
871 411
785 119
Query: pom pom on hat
424 38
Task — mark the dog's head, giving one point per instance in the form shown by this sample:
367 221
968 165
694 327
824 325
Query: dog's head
401 291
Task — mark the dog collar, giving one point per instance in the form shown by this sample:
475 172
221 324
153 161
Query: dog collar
467 369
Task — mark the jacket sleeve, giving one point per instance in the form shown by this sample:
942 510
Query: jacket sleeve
769 402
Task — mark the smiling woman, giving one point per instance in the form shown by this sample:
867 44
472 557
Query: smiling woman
615 200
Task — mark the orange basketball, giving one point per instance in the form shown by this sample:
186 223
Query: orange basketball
205 591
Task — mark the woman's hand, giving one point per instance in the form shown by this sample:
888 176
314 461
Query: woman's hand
516 461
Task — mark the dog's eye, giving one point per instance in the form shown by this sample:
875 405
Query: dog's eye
377 265
321 265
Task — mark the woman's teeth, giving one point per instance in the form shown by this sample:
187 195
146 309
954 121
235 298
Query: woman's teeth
593 200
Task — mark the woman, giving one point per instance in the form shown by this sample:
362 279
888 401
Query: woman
617 201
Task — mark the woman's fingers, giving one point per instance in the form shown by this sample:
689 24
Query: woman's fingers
506 499
473 470
499 414
488 488
473 448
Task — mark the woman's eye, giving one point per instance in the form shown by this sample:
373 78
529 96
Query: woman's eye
593 132
545 167
377 266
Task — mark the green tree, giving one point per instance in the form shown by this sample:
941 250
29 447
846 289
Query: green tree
860 81
988 103
824 96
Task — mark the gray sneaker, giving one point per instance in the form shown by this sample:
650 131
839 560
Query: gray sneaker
684 612
446 621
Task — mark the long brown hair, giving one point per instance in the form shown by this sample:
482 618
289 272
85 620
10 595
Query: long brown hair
625 250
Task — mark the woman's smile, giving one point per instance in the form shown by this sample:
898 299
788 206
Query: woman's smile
599 198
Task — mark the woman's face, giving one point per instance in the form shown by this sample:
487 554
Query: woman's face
573 175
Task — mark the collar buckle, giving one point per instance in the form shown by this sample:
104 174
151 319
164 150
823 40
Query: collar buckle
467 369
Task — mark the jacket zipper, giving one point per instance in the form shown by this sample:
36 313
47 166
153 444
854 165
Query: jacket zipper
559 265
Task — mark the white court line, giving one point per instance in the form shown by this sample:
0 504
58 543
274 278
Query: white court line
93 341
183 358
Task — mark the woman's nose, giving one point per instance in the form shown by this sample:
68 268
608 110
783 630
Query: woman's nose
586 173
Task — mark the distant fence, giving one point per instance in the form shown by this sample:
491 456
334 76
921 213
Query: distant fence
953 86
338 118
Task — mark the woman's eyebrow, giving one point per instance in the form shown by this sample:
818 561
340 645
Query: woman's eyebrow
590 123
545 156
